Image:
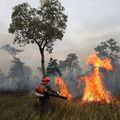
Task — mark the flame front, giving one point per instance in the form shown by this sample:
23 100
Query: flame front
62 88
94 88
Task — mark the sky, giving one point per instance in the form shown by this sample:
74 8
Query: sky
89 23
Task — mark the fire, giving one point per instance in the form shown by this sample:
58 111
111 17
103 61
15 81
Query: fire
95 90
62 88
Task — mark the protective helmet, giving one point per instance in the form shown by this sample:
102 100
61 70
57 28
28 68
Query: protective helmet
45 80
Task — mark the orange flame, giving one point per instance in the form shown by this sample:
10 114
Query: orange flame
62 88
94 90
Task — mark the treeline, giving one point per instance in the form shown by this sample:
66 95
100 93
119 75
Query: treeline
43 26
111 49
20 76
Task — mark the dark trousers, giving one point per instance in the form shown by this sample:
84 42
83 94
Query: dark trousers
44 103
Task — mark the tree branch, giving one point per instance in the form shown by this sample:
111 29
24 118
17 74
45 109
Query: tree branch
46 42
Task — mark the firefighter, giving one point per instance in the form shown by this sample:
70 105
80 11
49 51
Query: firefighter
43 92
43 87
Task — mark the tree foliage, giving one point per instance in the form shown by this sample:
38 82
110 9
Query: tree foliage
11 50
70 63
53 68
2 78
42 26
109 49
21 74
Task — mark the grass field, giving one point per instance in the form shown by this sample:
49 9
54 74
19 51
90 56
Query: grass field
26 107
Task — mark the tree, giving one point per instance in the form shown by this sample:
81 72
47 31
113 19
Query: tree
110 49
21 74
62 65
70 66
42 26
2 77
11 50
72 62
3 80
53 67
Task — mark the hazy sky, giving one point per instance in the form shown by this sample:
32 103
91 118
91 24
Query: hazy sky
89 22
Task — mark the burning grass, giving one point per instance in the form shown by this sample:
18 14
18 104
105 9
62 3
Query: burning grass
96 104
27 108
95 90
63 90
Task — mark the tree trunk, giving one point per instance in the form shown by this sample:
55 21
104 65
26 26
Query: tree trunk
42 62
115 74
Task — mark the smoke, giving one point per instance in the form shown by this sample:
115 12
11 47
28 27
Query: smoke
15 83
111 79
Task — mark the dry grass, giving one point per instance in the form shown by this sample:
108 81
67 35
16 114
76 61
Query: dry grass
27 108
